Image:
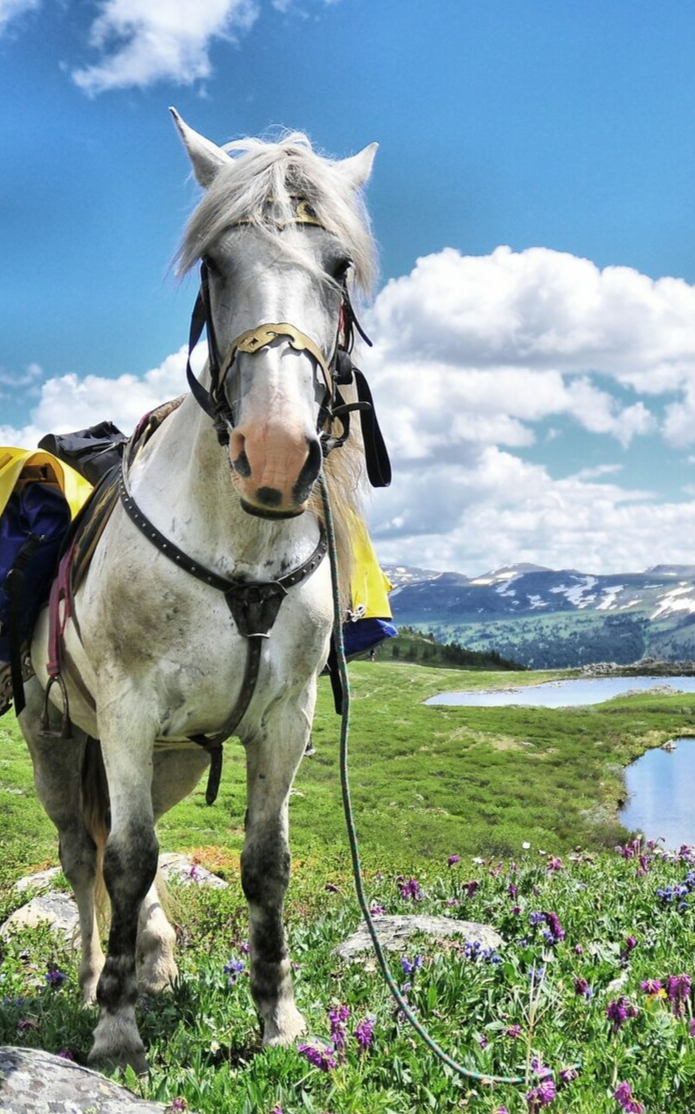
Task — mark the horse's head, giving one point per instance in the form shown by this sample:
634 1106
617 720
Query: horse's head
280 232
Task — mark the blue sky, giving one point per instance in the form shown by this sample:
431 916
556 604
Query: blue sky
537 124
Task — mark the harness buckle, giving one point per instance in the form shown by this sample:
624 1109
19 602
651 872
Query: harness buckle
255 606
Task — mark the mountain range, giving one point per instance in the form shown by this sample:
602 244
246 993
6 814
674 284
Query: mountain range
551 618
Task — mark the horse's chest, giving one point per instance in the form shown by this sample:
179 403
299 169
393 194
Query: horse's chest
186 651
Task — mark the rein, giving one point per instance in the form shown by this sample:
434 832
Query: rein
422 1032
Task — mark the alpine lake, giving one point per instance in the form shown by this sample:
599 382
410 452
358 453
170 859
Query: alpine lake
660 785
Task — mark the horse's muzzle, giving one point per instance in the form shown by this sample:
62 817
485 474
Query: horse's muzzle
276 484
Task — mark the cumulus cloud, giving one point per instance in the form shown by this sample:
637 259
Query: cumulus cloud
474 352
12 9
144 41
70 402
472 355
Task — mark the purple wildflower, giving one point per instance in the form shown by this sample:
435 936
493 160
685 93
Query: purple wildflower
691 1027
54 976
65 1054
453 860
623 1095
483 1042
244 947
513 891
542 1095
568 1075
471 887
411 890
554 864
582 988
321 1058
178 1104
233 969
513 1031
555 928
277 1110
629 946
364 1033
578 949
619 1011
677 991
194 873
408 967
539 1068
651 986
338 1017
375 910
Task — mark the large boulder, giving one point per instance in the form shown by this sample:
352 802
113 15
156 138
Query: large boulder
34 1082
395 933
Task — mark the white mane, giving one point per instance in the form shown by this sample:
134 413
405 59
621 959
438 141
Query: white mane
263 172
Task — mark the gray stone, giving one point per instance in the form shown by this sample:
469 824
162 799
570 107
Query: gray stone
394 934
57 909
42 880
34 1082
175 867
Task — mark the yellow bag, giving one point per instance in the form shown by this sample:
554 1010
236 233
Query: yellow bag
22 465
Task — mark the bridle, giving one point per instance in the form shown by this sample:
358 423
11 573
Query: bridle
337 370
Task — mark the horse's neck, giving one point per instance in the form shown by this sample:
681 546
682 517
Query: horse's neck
182 481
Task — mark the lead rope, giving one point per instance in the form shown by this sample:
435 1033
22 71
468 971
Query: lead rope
468 1073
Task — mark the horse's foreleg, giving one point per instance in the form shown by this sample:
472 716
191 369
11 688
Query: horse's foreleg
265 871
130 866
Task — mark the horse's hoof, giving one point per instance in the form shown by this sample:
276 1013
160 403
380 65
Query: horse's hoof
107 1065
284 1028
155 979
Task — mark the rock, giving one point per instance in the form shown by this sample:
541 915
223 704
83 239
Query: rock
34 1082
395 931
58 909
42 880
175 867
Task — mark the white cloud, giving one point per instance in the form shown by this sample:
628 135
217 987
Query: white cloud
457 405
144 41
542 309
477 351
12 9
70 402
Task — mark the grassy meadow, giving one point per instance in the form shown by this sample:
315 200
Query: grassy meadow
525 801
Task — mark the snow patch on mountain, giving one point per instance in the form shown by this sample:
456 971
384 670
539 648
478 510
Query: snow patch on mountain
674 601
609 597
576 593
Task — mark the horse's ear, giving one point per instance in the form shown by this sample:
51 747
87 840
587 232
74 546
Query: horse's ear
358 168
206 157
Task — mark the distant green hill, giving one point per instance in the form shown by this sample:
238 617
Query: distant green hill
425 649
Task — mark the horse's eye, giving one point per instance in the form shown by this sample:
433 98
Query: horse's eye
212 266
339 268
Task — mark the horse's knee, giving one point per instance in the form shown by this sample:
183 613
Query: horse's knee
265 871
130 865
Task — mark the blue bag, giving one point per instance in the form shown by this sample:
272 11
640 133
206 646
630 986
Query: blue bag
32 527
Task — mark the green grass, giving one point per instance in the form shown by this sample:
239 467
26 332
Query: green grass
427 781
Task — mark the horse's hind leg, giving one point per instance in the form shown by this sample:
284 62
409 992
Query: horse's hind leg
130 867
271 763
58 767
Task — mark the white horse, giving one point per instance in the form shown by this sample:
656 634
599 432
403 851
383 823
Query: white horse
156 648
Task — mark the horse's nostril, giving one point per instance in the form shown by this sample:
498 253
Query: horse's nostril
242 466
309 472
269 496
